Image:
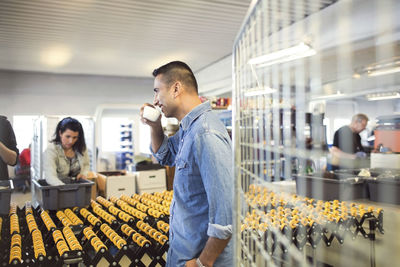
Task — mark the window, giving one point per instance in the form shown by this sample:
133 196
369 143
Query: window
113 131
145 138
23 129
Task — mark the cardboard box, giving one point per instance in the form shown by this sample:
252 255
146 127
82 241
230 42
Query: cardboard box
94 187
115 184
151 181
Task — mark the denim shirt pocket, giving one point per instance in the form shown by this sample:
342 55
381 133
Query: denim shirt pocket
181 177
181 166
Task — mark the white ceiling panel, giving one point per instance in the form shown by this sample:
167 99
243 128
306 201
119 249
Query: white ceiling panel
123 37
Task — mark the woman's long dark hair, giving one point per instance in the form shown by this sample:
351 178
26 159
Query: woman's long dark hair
74 125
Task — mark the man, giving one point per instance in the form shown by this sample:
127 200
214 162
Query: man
347 142
8 147
201 151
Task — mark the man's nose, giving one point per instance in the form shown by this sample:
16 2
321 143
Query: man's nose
155 99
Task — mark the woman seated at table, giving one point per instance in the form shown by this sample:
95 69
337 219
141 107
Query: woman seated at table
66 156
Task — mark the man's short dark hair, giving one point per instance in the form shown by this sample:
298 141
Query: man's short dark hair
177 71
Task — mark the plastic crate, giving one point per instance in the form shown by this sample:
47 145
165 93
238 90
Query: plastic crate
331 189
385 190
5 196
375 172
62 196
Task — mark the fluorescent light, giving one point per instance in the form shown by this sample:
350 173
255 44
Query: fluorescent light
375 97
383 67
262 91
379 72
56 56
299 51
338 94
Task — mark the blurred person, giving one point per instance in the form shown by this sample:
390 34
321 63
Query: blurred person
201 151
8 147
25 157
66 156
347 142
23 170
24 163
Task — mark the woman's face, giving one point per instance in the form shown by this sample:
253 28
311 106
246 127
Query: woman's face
68 138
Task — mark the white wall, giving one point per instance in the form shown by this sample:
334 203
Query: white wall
374 109
216 79
29 93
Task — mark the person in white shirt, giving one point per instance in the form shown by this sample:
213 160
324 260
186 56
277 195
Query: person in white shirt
66 156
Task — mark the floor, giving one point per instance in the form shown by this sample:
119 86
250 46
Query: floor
21 198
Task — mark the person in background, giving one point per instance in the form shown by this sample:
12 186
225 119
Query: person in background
201 151
8 147
347 141
66 156
25 157
23 170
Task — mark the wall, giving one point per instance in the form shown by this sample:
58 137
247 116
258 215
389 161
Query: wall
30 93
216 79
374 109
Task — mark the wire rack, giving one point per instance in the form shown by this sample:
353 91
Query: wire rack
289 58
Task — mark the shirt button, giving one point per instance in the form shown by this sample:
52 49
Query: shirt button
182 140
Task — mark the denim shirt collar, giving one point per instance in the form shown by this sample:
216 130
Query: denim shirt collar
194 114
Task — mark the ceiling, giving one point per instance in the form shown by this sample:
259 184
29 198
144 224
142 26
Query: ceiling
122 37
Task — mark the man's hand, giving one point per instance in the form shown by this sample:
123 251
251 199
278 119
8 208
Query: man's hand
148 122
211 251
191 263
157 134
361 154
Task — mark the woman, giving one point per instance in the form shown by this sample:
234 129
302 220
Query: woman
66 156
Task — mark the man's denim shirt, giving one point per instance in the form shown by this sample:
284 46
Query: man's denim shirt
202 205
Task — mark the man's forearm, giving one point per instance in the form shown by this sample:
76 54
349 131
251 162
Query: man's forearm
212 250
340 154
8 156
157 137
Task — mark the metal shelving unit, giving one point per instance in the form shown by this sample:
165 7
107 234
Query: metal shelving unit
289 58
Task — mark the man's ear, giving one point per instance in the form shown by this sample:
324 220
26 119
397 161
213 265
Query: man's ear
178 89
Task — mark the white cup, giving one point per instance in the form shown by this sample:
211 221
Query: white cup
151 113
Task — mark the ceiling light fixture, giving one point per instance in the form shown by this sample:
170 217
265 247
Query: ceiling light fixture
384 67
56 56
380 72
383 96
337 95
296 52
262 91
